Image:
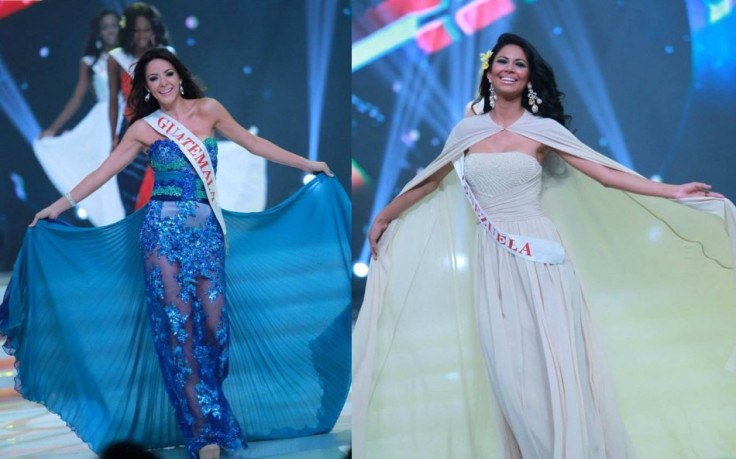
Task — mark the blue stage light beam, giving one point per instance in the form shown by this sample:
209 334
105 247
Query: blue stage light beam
431 98
320 19
575 51
15 107
405 117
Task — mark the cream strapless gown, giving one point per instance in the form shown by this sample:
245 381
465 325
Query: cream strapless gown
547 375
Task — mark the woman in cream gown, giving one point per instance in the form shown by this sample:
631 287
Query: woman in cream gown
446 356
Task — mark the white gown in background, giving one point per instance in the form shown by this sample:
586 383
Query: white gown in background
69 157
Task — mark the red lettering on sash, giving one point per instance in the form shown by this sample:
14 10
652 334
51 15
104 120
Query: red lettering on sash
201 161
526 250
194 150
163 123
180 136
511 244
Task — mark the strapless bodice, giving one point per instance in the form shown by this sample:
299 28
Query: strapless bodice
174 177
506 185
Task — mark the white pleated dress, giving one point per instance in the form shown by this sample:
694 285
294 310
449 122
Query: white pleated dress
534 327
69 157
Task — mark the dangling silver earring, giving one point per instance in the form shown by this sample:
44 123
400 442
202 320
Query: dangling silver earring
492 96
148 96
533 99
181 88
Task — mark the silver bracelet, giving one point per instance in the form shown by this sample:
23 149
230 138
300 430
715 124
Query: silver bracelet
68 196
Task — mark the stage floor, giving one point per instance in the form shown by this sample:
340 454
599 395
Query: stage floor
29 431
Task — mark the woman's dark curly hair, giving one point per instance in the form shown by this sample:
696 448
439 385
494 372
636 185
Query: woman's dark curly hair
127 28
137 98
93 36
541 76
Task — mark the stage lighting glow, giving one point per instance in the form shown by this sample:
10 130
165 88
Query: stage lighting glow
718 10
19 186
81 213
575 48
15 106
437 35
359 177
669 49
479 14
655 233
248 70
44 52
603 142
656 178
410 138
557 30
320 19
191 22
360 269
461 262
308 178
191 41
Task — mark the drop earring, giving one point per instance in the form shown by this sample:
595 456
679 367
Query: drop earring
534 100
148 96
181 88
492 94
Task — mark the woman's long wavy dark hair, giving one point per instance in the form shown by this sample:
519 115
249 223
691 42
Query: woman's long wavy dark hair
541 76
137 98
127 29
93 36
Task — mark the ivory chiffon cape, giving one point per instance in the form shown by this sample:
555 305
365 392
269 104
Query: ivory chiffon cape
76 320
658 276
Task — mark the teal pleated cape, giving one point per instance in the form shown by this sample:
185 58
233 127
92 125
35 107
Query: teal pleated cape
76 320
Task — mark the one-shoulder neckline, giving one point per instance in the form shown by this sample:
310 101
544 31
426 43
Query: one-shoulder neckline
486 153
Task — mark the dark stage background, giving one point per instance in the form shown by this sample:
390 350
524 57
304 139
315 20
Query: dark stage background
252 55
649 83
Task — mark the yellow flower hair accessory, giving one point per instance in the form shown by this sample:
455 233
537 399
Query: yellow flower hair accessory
485 58
122 22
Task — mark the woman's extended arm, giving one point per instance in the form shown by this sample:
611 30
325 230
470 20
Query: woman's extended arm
401 203
120 157
72 105
637 184
227 126
113 83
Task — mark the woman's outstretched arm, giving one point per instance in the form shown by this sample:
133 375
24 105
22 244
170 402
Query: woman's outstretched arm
121 156
401 203
636 184
72 105
228 127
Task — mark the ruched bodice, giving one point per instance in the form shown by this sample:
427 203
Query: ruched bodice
506 185
175 178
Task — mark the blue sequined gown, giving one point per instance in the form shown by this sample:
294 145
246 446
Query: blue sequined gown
78 310
183 256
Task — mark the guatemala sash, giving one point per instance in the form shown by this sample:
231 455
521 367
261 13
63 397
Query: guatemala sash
197 155
532 249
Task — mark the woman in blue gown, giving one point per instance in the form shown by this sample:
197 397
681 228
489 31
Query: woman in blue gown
183 246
